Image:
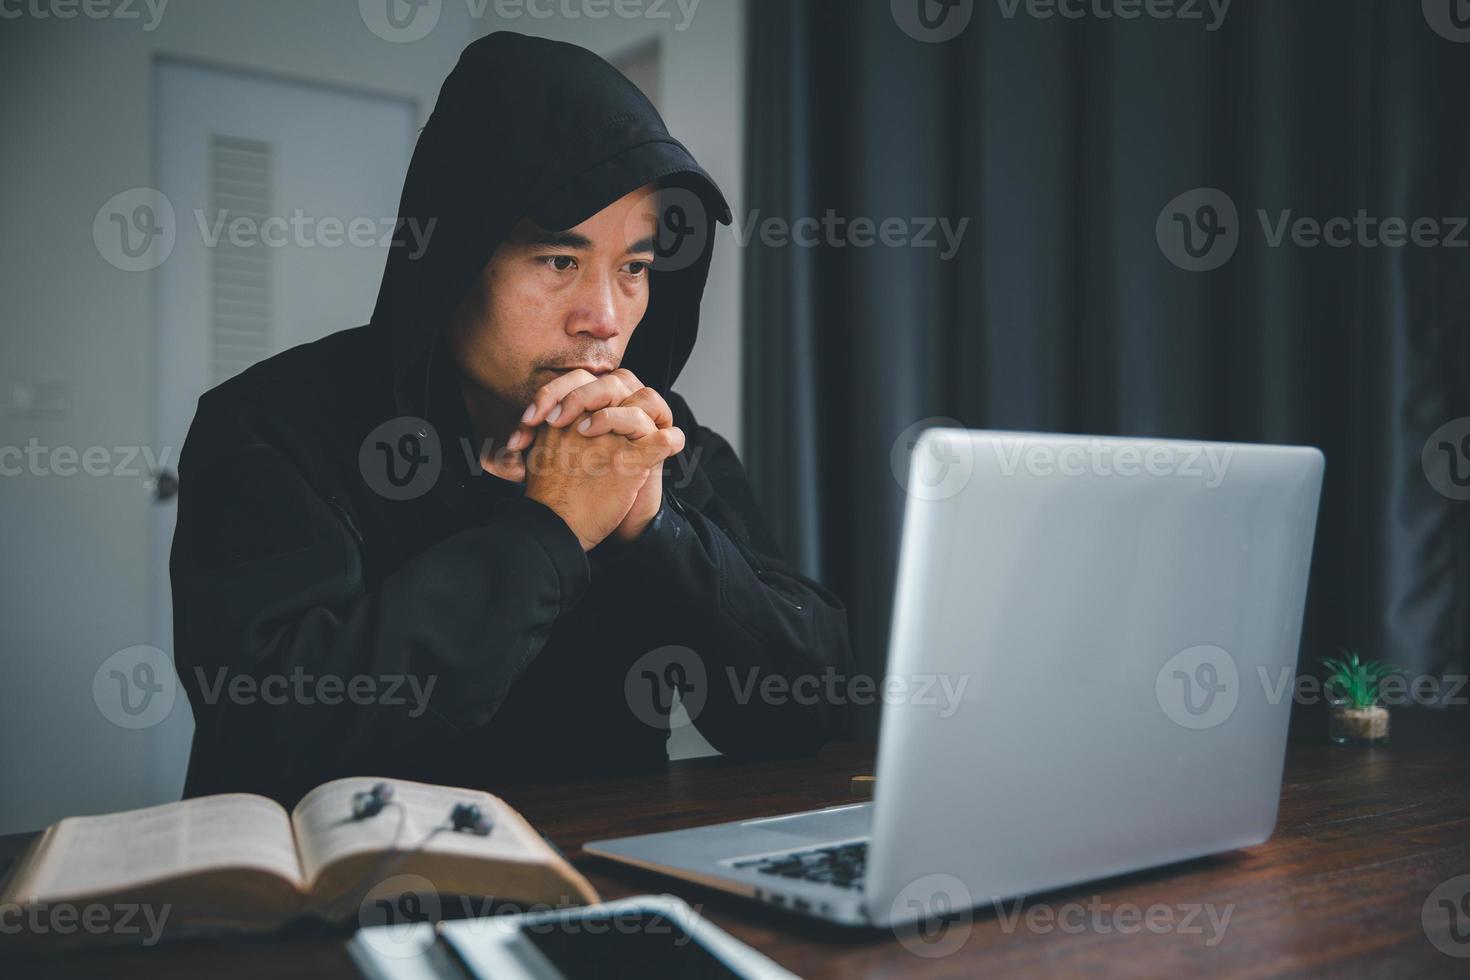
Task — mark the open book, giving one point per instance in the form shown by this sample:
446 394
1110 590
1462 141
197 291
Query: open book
240 863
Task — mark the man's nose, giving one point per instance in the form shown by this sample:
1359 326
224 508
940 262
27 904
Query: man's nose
596 310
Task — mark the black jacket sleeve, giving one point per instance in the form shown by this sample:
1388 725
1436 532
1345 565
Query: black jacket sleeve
771 644
296 670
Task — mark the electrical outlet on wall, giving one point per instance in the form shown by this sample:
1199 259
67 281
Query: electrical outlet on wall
39 399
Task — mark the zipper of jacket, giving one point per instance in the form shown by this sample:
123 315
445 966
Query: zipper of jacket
337 506
753 558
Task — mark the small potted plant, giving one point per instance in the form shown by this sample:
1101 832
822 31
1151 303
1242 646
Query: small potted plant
1354 716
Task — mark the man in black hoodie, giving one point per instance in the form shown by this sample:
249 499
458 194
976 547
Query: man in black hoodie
480 538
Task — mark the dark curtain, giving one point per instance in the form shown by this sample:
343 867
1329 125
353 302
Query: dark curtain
1062 140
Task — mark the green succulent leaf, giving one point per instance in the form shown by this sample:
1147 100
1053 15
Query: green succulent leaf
1355 680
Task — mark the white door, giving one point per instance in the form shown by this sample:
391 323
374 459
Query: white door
283 196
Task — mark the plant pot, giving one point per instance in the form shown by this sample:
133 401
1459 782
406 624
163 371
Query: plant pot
1347 725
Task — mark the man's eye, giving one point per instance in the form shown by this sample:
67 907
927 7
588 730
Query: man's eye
638 267
561 263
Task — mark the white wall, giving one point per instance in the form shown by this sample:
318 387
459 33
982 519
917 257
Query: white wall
74 550
75 114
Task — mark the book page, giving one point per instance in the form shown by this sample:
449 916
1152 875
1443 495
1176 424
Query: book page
327 832
90 855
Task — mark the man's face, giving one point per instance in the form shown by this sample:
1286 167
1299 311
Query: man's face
547 302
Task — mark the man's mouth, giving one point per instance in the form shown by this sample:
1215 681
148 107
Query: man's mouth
597 369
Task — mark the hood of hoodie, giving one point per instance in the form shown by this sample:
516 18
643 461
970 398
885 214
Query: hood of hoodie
529 127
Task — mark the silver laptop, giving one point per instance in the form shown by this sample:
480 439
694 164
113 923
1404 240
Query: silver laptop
1106 630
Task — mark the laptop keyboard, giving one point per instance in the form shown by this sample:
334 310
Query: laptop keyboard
842 865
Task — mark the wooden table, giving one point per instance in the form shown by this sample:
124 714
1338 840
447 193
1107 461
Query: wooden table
1364 837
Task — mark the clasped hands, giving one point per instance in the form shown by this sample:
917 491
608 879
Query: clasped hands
593 449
